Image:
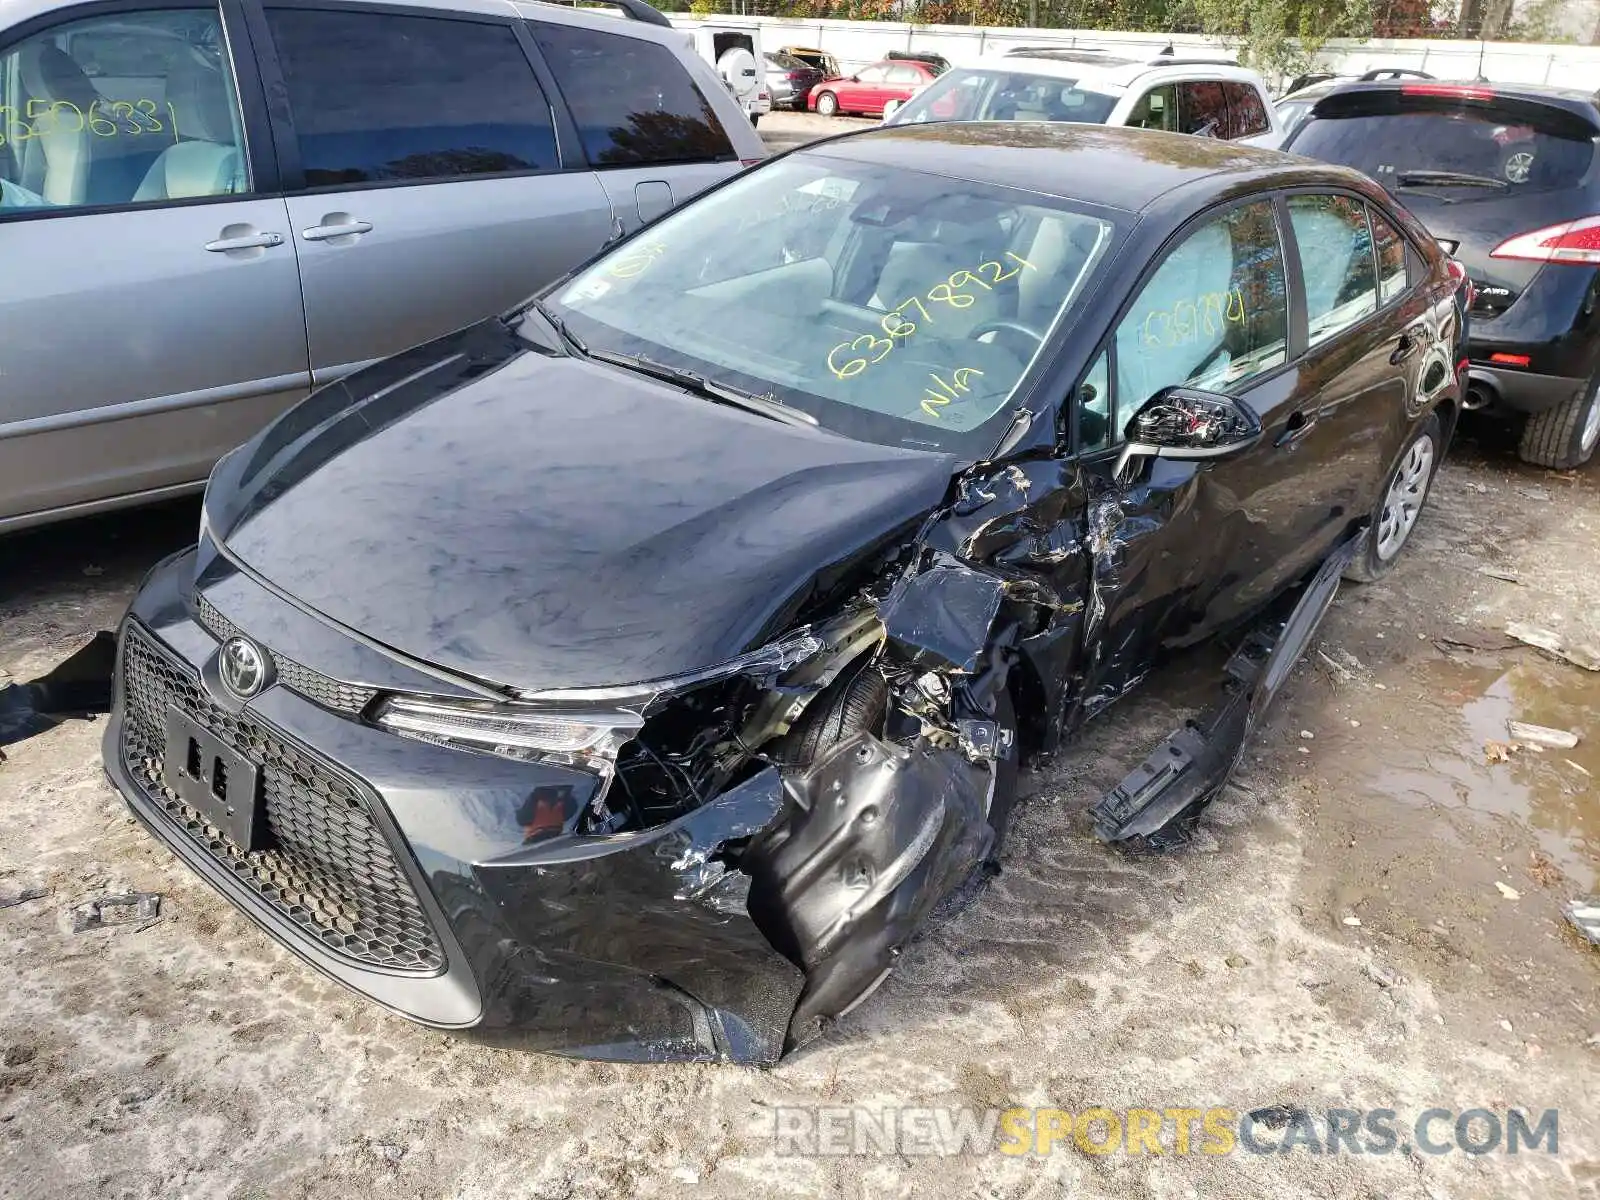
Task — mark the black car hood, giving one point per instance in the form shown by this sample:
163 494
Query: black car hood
547 522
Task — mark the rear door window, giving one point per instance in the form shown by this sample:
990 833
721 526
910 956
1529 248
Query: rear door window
1336 263
634 103
904 74
1501 153
1247 112
1205 112
379 97
1393 257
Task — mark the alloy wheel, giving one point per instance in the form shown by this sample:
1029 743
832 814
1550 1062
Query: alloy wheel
1403 503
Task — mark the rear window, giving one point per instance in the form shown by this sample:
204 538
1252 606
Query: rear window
973 95
1497 153
633 102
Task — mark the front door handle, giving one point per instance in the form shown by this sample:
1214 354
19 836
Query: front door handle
1296 427
331 229
248 241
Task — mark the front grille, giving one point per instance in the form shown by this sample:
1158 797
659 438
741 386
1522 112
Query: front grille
313 685
327 869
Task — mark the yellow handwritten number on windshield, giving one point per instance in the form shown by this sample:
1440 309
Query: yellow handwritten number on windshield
933 401
854 366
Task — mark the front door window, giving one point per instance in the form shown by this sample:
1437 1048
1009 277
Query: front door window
125 108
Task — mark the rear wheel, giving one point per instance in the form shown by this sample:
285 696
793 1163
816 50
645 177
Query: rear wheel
755 119
1564 436
828 104
1404 494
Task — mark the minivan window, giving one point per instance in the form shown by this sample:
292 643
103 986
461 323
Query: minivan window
1336 262
988 95
377 97
1499 148
894 306
633 102
124 108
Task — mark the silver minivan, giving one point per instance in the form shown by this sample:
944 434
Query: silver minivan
208 207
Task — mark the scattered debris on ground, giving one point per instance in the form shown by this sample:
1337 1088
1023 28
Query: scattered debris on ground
135 910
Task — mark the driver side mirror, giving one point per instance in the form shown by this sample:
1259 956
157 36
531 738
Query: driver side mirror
855 79
1184 422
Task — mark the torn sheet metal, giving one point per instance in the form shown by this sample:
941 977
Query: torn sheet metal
1584 915
135 911
1189 769
942 617
79 686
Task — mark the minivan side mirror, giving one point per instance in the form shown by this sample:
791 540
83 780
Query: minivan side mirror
1185 422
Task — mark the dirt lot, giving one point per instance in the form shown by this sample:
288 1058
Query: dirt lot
1334 939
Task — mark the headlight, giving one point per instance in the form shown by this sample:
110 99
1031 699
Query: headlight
512 731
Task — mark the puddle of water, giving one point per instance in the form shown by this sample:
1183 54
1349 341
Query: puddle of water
1555 794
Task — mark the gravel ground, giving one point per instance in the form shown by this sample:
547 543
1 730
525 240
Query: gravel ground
1335 938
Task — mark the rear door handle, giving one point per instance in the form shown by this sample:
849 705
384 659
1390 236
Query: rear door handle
250 241
1296 427
1410 342
322 233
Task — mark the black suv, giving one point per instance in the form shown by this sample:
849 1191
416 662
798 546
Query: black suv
1506 177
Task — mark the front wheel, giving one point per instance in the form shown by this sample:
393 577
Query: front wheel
1564 437
1404 494
828 105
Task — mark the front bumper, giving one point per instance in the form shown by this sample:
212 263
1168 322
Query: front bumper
407 872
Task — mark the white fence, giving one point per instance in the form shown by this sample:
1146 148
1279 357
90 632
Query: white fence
857 43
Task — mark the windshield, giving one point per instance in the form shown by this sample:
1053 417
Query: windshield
891 305
1493 148
969 94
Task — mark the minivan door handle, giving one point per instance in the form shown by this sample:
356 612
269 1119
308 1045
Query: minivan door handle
246 241
1296 427
334 227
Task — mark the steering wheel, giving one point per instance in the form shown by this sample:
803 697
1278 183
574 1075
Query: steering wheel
1003 325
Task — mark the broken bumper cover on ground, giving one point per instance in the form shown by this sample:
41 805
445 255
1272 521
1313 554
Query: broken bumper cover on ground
423 877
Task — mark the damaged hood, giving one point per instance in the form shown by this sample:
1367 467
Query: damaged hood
549 522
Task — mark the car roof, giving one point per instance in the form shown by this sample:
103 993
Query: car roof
1113 166
1108 71
586 13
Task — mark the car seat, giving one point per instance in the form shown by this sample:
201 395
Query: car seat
56 161
928 254
207 161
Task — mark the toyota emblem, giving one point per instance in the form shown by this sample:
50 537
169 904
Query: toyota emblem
243 667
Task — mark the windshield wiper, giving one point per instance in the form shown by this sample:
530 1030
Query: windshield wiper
1448 179
710 389
573 341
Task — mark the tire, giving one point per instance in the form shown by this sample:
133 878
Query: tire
850 704
827 104
1564 437
1400 504
755 119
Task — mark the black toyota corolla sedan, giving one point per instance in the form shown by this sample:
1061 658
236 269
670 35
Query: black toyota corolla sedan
630 676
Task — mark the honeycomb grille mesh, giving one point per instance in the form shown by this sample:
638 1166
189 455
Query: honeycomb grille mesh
313 685
327 868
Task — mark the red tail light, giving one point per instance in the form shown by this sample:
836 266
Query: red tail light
795 76
1570 242
1457 91
1510 360
1463 280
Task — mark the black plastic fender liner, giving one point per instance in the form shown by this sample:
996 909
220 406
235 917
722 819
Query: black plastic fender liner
875 836
1194 764
80 685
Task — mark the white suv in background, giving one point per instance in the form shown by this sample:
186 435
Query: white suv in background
1182 93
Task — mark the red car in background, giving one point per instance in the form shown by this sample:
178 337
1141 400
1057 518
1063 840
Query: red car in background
872 91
